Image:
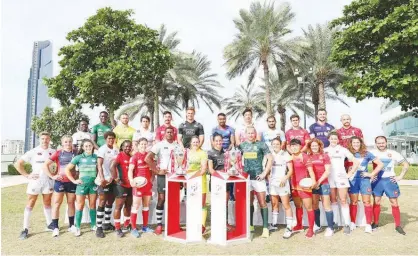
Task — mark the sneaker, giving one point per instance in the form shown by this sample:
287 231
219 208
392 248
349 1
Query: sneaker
399 229
353 226
203 229
287 233
329 232
99 232
368 229
135 233
77 232
374 226
347 230
309 234
273 228
24 234
72 229
296 229
50 227
147 230
119 233
265 233
317 229
158 230
108 226
268 199
251 228
126 228
335 227
94 228
56 232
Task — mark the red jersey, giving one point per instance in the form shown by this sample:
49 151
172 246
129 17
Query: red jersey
300 169
160 132
122 161
300 134
141 167
344 135
318 163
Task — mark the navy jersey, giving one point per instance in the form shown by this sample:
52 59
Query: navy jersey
226 135
321 132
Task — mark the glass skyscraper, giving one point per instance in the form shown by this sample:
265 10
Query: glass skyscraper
37 95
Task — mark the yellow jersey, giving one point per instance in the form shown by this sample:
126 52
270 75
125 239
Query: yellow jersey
123 133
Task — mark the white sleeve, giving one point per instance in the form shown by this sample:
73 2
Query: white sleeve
136 136
27 157
398 157
101 152
348 154
156 148
75 138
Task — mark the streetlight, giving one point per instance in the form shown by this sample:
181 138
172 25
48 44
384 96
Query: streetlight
300 81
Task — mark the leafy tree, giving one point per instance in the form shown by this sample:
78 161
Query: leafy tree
379 50
109 59
262 40
64 121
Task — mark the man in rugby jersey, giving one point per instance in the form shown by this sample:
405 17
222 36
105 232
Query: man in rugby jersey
321 128
144 132
296 132
123 131
99 129
39 182
271 132
160 132
346 132
163 150
82 134
240 133
227 133
190 128
386 182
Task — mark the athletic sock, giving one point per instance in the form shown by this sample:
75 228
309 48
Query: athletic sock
100 216
299 215
346 214
334 207
78 217
134 215
353 212
145 214
289 222
265 216
376 213
93 217
204 215
396 215
47 213
71 220
275 218
117 223
127 221
159 214
317 217
251 214
26 216
311 219
330 218
107 213
368 211
55 223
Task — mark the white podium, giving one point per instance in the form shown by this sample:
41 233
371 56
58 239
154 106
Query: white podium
241 232
173 230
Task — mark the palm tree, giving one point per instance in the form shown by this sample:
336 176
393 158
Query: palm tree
260 42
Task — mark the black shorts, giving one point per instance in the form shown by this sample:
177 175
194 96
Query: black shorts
121 191
229 185
67 187
161 183
106 190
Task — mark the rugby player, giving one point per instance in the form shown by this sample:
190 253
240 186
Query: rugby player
122 188
321 128
86 162
321 165
99 130
62 184
139 168
227 133
105 155
190 128
123 131
387 182
296 132
346 132
240 132
253 153
82 134
144 132
163 150
338 179
160 132
279 186
302 168
271 132
360 181
39 182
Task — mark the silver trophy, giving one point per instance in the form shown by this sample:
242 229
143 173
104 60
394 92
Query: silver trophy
180 157
232 158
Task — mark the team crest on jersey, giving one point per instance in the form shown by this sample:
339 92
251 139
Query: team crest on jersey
255 148
389 155
139 161
126 161
50 153
321 158
83 160
93 160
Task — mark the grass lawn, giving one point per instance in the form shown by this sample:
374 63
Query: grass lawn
383 241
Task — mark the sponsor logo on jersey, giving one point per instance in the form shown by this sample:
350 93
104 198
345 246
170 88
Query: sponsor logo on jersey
139 161
84 160
126 161
389 155
93 160
39 154
189 131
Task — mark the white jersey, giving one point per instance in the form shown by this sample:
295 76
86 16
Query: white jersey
240 130
147 134
79 136
108 155
337 155
268 135
37 157
163 151
279 166
390 159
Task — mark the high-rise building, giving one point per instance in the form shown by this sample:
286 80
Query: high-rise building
12 147
37 96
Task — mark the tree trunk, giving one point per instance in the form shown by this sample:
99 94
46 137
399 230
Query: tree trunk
282 113
321 95
112 117
151 112
156 111
315 100
267 82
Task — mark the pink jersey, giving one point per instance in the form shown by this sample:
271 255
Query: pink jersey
300 169
318 164
344 135
160 132
300 134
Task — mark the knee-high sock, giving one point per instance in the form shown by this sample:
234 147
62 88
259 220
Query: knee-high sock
334 207
100 216
26 217
396 215
78 217
48 215
311 219
299 215
55 223
317 217
127 221
368 211
265 216
159 214
376 213
117 223
346 214
289 222
134 215
204 215
107 213
71 221
353 212
93 213
330 218
145 213
275 218
251 214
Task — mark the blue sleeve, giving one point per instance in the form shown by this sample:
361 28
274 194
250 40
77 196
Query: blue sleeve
370 156
311 129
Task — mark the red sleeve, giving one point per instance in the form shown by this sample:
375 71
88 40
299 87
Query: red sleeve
307 137
175 133
133 159
54 157
117 159
287 136
360 133
158 134
307 160
326 159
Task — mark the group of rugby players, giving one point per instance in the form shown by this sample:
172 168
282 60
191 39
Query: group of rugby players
102 164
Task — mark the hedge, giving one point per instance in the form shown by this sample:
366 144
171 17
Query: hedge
12 170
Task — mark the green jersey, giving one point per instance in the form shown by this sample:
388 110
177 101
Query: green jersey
253 154
86 165
99 130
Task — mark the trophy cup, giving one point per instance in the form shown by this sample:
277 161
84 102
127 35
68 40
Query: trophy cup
231 161
179 160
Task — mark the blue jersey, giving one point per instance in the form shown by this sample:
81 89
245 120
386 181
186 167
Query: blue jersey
364 162
225 133
321 132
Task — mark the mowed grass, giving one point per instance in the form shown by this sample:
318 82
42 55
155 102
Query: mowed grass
384 241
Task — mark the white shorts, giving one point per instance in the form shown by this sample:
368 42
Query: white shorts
338 182
258 186
276 190
40 186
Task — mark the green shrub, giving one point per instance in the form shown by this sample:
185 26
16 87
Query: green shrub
411 174
11 170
